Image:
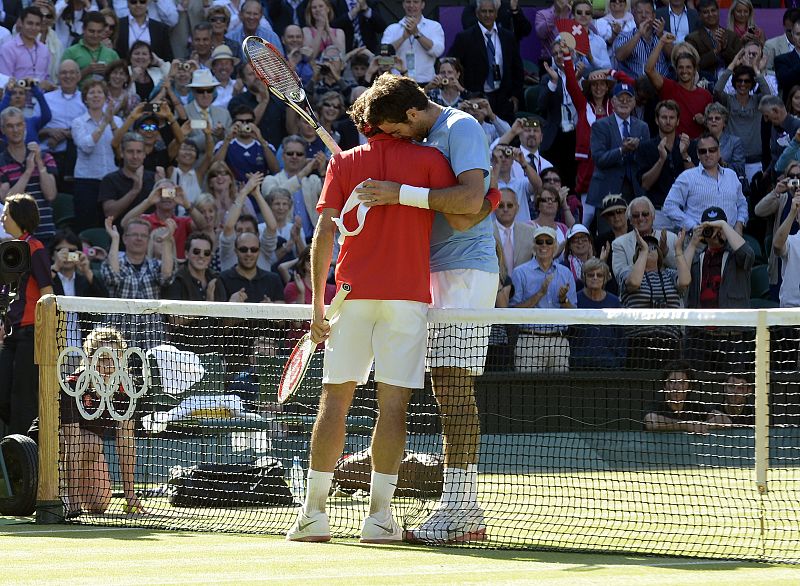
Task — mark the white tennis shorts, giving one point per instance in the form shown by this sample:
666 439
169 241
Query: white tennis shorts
461 345
392 333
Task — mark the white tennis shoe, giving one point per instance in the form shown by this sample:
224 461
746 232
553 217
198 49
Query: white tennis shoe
381 528
450 525
312 527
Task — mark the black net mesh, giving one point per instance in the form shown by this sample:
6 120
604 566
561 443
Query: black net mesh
634 438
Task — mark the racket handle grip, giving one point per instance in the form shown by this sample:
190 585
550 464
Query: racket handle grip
337 300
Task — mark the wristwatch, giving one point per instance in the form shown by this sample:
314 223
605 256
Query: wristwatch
417 36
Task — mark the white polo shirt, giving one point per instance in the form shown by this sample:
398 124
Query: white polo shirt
790 286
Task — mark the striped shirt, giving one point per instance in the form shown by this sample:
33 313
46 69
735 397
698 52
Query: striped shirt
10 172
694 191
634 64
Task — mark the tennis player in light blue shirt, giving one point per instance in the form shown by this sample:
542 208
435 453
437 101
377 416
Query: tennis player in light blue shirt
464 274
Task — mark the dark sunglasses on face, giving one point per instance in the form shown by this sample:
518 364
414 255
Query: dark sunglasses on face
544 241
743 80
640 215
246 249
583 13
134 2
707 151
217 19
203 90
148 127
294 154
198 251
505 206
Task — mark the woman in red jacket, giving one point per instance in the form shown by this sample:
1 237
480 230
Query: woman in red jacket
592 99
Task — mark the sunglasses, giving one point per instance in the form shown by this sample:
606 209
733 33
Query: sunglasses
505 206
640 215
198 251
331 105
593 275
708 150
618 212
148 127
743 80
246 249
217 19
294 154
793 176
583 13
544 242
134 2
203 90
547 200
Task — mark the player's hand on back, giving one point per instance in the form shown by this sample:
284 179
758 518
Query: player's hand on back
378 193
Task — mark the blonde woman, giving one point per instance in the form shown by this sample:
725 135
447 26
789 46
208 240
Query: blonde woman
318 34
88 482
741 20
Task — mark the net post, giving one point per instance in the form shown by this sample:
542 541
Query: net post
48 504
762 402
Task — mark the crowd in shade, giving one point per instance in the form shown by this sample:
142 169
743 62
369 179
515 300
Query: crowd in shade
656 167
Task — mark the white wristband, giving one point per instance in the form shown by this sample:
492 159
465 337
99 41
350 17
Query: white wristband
416 197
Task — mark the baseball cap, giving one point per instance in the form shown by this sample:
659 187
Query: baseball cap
577 229
613 202
624 88
713 214
544 231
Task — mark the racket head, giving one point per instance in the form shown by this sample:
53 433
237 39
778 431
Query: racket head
294 371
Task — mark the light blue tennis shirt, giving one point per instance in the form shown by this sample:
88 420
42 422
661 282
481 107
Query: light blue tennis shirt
462 141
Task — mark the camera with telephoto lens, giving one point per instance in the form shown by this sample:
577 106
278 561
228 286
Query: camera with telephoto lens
707 232
793 183
22 83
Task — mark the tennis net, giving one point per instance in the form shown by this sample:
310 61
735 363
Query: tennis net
586 443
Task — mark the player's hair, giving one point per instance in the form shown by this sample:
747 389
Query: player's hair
388 100
669 105
197 236
23 210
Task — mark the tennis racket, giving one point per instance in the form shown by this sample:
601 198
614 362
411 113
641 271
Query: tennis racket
282 81
295 369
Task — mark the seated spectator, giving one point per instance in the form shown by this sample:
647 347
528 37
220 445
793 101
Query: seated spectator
223 65
617 19
121 97
24 168
650 285
778 204
633 48
737 409
744 121
291 238
218 119
784 126
614 212
129 185
246 282
244 149
596 346
19 374
720 279
545 284
547 205
147 69
334 119
297 54
445 89
94 133
89 52
716 46
641 214
236 223
164 199
782 43
708 184
16 95
318 34
741 20
503 156
141 26
270 113
24 56
677 408
691 99
88 480
418 40
361 22
301 176
132 275
679 19
731 147
183 172
515 237
578 249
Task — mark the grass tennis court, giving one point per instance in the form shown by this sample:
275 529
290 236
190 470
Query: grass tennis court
68 555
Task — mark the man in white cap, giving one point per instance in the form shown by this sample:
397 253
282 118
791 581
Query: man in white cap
222 65
544 284
204 86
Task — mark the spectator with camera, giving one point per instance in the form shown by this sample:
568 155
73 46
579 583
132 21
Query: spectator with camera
528 131
704 186
418 40
16 95
174 87
787 246
89 52
445 89
24 56
477 106
161 141
270 114
201 110
525 187
244 150
386 61
328 75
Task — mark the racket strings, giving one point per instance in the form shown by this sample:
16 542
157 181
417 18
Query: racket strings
271 67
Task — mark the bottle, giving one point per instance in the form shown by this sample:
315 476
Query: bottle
297 481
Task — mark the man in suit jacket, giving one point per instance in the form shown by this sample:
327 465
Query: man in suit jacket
281 14
11 10
716 45
679 19
783 42
787 66
472 49
641 214
613 144
510 16
157 34
370 23
203 88
515 238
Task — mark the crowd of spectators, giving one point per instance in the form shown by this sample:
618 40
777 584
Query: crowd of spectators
650 172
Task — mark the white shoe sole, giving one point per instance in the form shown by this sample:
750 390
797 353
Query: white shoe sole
437 537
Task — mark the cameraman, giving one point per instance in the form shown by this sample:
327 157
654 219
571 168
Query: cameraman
720 280
16 94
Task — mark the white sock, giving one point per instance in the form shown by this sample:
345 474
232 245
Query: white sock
460 487
317 488
381 491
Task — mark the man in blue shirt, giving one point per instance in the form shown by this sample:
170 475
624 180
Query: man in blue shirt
464 274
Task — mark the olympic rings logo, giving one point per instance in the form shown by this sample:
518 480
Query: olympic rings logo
91 378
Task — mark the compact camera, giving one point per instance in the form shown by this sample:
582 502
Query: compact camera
168 193
184 66
73 256
793 183
444 81
22 83
246 127
508 151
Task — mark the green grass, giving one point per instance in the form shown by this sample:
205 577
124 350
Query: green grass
708 512
79 555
